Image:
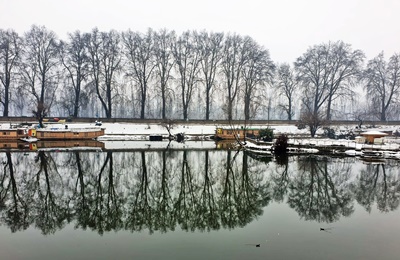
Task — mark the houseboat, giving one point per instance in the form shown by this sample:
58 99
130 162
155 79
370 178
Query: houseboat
65 133
235 133
13 134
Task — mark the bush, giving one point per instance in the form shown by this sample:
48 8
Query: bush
266 134
281 144
329 132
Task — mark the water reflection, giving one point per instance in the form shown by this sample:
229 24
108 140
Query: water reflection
378 183
195 190
319 190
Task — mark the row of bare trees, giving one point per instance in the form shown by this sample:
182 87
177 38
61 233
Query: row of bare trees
193 75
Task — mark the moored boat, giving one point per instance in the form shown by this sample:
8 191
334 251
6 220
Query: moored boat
13 133
235 133
65 133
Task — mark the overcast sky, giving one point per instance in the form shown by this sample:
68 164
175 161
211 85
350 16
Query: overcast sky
286 27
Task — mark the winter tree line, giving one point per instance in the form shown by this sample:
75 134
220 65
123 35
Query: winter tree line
192 75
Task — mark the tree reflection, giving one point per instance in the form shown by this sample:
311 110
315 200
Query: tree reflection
141 214
315 192
380 183
281 180
46 195
208 205
17 211
197 190
164 220
105 206
253 192
243 195
186 208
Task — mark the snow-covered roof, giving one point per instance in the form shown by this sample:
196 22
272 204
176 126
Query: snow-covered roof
374 132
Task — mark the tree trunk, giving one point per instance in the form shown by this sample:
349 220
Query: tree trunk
247 107
230 110
328 109
143 105
163 101
208 104
76 102
6 96
290 110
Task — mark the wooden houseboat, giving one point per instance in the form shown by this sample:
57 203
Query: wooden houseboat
65 133
235 133
13 133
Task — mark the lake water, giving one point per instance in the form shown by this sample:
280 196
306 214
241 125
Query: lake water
196 204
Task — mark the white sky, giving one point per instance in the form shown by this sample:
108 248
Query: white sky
285 27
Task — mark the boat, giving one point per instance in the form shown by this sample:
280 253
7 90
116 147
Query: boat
236 133
13 134
258 149
65 133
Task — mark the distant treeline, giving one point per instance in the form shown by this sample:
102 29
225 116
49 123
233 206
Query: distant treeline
192 75
25 119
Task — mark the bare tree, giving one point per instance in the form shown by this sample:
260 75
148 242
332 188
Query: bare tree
10 54
346 66
40 70
383 83
210 48
105 60
313 121
327 71
163 42
74 58
257 71
187 58
287 84
233 60
139 53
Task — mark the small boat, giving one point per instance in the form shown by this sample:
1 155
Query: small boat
65 133
258 149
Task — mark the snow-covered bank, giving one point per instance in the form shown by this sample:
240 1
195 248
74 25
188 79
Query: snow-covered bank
133 131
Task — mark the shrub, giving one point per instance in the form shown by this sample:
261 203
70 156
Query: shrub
281 144
266 134
329 132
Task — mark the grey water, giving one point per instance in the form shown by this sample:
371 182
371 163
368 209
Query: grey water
196 204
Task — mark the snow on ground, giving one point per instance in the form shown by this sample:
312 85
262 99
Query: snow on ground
116 135
132 131
159 145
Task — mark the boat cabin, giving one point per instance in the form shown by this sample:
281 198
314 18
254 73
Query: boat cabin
13 134
66 133
235 133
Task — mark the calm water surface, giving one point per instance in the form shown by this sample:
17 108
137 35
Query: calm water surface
196 204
